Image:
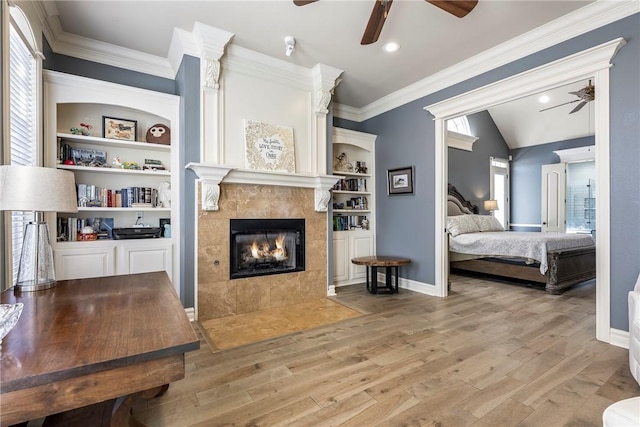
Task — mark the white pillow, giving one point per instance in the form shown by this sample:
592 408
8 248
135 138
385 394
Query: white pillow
461 224
487 223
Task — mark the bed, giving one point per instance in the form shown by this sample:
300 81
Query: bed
479 244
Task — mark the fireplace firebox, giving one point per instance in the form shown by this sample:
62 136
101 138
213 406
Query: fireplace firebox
260 247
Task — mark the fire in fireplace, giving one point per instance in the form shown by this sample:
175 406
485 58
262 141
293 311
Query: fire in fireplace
266 246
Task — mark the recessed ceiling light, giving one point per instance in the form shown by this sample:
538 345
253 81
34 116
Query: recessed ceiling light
544 99
391 47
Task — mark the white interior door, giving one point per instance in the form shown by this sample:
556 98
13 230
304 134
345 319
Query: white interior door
553 198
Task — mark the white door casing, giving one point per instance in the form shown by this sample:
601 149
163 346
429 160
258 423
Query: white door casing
591 63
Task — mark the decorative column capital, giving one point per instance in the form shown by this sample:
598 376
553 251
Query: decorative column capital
325 79
211 43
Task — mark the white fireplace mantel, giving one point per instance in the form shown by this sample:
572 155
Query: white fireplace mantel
212 176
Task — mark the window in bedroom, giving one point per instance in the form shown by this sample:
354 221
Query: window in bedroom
459 125
22 147
499 182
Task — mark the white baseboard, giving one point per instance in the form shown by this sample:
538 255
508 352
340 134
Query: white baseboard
619 338
412 285
191 313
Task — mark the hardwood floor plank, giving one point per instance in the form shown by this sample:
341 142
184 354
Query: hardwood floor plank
490 354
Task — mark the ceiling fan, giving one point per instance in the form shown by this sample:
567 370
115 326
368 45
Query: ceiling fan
459 8
585 95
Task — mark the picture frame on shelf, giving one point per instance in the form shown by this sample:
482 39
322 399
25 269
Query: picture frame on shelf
116 128
400 180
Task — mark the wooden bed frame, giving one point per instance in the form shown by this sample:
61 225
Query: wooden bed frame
566 267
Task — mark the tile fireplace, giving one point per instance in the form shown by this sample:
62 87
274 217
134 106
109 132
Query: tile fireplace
260 247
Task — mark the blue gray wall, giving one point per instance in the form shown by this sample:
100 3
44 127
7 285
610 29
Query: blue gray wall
188 88
469 170
406 137
526 166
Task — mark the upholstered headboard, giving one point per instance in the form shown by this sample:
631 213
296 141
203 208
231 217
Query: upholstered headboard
457 205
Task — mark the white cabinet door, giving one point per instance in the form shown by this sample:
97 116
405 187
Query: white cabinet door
145 258
553 198
85 262
341 258
361 245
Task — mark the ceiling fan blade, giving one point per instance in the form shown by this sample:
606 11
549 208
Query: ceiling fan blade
578 107
376 21
560 105
459 8
303 2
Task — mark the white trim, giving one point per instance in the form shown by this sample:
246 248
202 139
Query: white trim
410 285
578 154
525 225
460 141
588 18
591 63
191 313
619 338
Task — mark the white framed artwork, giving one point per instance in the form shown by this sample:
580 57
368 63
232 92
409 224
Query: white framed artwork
269 147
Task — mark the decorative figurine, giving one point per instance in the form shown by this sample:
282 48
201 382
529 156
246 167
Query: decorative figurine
342 163
84 129
159 134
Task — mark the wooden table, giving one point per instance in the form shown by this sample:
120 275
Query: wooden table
83 344
390 263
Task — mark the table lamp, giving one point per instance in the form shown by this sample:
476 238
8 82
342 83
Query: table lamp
490 205
37 189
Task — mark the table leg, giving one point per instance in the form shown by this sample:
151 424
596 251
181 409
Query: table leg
366 267
374 280
396 271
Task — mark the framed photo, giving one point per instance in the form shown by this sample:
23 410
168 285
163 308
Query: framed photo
114 128
400 181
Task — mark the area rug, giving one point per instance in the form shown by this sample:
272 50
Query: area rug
233 331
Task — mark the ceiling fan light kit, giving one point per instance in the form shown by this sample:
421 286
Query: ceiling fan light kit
585 95
381 8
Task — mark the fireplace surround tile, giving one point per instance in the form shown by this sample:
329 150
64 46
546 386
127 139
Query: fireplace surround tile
220 297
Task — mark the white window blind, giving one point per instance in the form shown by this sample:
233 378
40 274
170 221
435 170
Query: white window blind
22 126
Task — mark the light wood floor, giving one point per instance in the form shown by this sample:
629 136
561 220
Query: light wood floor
490 354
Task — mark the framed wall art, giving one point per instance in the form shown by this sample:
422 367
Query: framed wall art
114 128
269 147
400 180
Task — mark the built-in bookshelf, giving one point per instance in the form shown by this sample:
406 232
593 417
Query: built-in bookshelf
121 179
353 203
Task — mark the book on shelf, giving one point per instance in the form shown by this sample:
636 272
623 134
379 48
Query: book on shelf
351 184
90 195
350 222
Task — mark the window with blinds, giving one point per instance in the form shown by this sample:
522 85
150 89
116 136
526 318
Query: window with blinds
22 126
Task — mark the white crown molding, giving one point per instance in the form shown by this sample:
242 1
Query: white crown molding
182 43
578 66
578 154
588 18
460 141
347 112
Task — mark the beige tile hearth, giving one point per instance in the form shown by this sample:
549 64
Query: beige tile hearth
233 331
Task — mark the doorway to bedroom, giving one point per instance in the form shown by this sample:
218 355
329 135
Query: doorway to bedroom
593 63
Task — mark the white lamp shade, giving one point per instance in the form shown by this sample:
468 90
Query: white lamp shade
34 188
490 205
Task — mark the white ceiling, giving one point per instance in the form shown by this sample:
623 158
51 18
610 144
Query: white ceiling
522 124
327 32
